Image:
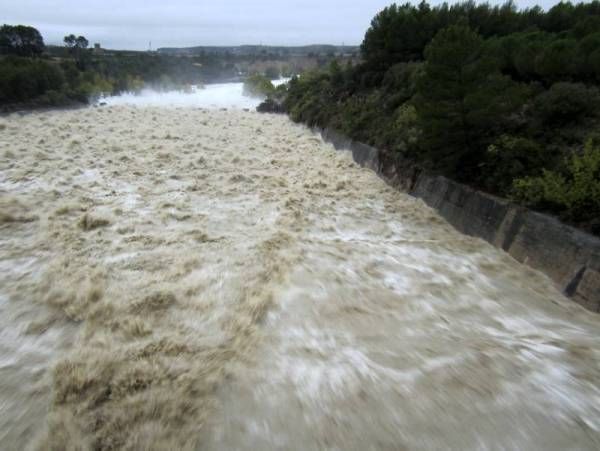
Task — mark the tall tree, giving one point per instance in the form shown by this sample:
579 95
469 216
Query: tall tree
76 42
461 98
77 45
20 40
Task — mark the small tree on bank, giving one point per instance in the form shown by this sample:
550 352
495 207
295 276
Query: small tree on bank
77 46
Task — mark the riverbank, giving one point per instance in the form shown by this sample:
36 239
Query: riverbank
569 256
39 107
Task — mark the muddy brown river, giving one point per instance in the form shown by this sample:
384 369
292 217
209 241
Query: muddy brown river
183 278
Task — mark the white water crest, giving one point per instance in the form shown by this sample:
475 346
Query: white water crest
217 95
191 278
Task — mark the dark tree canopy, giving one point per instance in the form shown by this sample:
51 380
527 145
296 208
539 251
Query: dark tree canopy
461 98
76 42
20 40
77 46
400 33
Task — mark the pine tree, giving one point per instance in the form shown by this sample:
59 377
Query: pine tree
461 99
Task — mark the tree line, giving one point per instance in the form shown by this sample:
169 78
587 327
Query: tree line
33 74
505 100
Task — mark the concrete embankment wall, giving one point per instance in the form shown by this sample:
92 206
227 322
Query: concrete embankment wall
567 255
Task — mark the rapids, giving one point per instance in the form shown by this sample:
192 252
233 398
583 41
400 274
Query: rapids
185 278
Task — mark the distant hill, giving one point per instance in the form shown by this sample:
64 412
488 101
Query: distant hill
247 50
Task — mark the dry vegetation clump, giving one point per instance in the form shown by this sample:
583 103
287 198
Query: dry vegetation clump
9 218
88 222
159 300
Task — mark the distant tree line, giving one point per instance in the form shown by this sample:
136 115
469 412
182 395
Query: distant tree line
32 74
505 100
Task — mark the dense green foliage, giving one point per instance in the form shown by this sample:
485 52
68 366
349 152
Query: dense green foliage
77 46
576 190
22 79
258 86
20 40
491 96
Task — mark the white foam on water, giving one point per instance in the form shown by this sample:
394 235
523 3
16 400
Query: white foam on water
217 95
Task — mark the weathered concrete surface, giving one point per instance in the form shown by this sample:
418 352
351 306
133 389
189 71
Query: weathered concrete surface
570 257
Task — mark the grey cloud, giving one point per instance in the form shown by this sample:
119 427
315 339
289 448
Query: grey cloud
133 23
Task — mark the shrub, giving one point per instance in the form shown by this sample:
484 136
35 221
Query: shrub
404 131
558 60
54 98
258 86
589 48
564 103
23 79
509 158
575 194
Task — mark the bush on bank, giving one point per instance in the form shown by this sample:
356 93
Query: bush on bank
23 79
574 191
258 85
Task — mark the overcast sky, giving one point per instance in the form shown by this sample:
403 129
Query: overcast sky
132 24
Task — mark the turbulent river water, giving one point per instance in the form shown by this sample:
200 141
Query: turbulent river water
185 278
